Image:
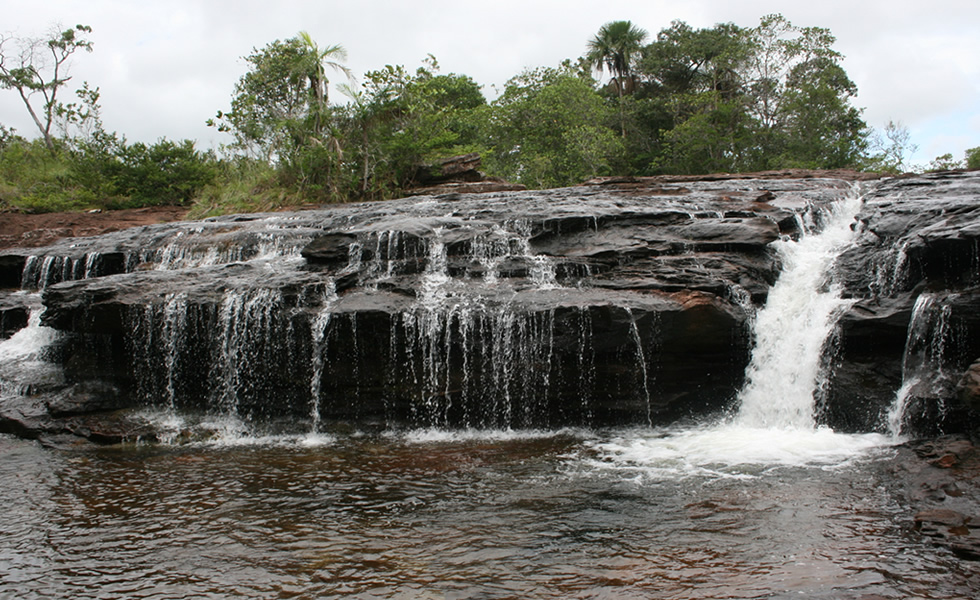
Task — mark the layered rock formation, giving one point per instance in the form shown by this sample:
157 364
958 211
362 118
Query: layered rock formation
621 301
914 274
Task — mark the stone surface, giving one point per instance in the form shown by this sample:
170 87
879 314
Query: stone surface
942 488
968 388
625 300
918 237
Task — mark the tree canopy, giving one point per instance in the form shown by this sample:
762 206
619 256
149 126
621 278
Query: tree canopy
38 67
727 98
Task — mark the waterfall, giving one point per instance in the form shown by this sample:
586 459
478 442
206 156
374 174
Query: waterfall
23 364
42 271
318 349
775 423
790 331
641 363
924 373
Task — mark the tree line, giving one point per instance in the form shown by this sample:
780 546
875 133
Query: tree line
686 101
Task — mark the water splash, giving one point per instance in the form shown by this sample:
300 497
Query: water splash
924 373
23 358
318 350
790 331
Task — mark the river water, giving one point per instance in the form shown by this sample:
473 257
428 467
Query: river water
760 503
571 514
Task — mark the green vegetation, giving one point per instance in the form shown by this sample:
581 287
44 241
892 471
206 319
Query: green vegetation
688 101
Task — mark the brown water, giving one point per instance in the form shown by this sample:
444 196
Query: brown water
552 516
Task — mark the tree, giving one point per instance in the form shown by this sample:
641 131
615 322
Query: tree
973 158
817 126
683 60
281 103
312 65
40 66
407 119
944 163
736 99
891 148
550 128
693 84
615 47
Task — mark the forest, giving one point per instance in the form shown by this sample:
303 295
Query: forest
684 101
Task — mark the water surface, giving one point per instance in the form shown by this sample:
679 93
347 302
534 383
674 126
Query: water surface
576 514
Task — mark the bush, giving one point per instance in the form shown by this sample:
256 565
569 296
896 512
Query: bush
973 158
164 173
34 179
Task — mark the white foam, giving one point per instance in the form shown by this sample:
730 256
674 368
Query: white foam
436 435
729 450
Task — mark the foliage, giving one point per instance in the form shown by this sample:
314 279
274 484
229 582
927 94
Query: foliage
34 179
944 163
973 158
615 47
242 185
551 128
162 173
890 149
724 98
39 66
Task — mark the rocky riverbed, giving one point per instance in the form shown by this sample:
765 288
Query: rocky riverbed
621 301
637 291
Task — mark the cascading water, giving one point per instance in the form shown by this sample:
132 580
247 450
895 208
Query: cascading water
924 373
23 365
790 331
318 345
775 422
641 363
466 342
42 271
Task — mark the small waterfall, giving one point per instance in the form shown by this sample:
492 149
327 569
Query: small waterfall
42 271
186 250
790 331
924 373
23 364
248 344
318 350
641 363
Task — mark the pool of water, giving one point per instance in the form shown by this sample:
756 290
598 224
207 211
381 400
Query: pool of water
571 514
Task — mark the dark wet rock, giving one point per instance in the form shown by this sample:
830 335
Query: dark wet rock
942 488
968 388
918 240
28 417
465 167
626 300
11 267
451 177
14 314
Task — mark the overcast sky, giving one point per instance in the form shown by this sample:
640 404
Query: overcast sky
164 68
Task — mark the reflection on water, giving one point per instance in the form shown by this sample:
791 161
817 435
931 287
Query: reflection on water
564 515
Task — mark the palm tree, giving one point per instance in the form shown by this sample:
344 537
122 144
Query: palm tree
313 66
614 48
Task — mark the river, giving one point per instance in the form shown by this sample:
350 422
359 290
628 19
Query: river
572 514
